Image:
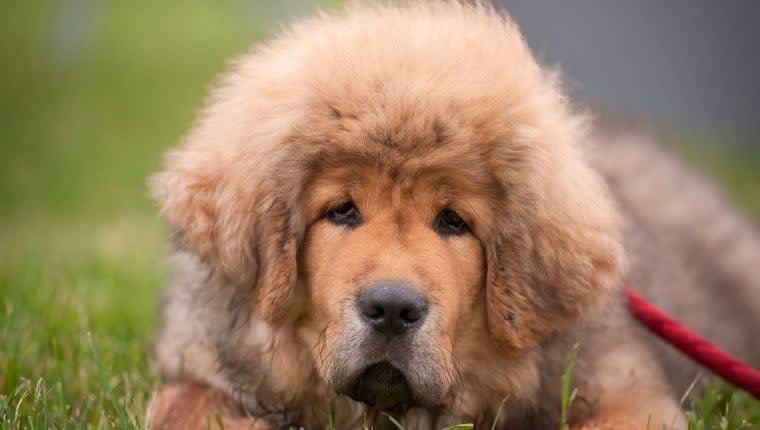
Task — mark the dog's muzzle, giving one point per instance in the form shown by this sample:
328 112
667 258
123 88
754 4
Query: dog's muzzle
392 312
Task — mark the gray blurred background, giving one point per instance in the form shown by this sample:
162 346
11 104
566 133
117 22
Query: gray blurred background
687 64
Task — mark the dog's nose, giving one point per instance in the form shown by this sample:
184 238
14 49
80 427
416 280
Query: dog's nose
392 307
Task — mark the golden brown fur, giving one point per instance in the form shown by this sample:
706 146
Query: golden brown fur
406 111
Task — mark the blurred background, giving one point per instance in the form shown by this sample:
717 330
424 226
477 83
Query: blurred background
683 64
92 92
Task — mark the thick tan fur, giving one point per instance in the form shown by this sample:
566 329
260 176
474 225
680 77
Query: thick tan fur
406 111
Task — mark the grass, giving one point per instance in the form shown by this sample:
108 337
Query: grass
568 397
80 245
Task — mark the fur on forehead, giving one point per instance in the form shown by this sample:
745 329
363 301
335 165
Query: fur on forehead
374 100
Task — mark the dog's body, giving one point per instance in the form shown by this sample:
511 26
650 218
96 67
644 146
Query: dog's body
393 210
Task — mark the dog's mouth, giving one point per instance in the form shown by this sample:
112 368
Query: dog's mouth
382 386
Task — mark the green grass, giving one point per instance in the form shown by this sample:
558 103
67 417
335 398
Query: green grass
737 169
568 396
80 245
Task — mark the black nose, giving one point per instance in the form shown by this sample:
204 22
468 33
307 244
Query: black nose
392 307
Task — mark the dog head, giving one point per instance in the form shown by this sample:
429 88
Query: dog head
395 194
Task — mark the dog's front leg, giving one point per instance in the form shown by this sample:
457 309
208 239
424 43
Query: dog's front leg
192 406
637 414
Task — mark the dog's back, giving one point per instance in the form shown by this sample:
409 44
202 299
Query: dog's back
690 251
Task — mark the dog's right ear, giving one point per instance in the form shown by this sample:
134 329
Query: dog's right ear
223 209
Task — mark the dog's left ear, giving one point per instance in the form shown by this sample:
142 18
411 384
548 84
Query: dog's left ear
226 210
557 264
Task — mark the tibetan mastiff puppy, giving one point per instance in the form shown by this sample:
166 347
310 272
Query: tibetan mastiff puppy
393 212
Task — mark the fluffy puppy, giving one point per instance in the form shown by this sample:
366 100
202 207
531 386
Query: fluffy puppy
393 211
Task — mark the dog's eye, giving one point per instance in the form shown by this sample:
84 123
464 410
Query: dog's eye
449 222
345 213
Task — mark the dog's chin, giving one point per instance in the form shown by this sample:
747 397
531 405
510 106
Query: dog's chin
382 386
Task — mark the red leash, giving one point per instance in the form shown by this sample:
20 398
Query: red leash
693 345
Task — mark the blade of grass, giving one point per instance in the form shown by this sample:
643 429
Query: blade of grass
24 390
498 412
690 389
330 417
567 396
104 380
393 420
